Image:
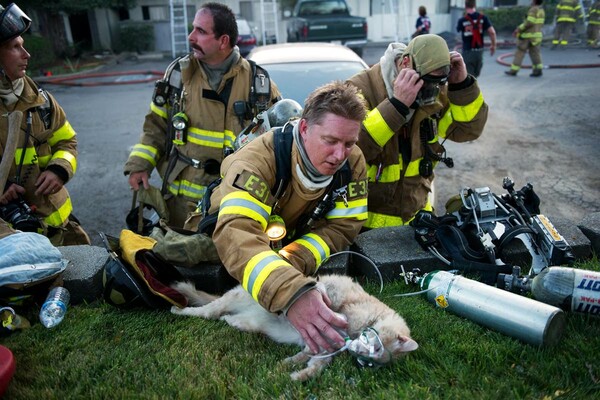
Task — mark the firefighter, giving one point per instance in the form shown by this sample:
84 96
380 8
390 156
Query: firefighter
593 28
529 39
197 110
417 95
34 198
567 13
272 237
473 26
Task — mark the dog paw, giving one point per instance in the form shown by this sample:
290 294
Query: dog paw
176 310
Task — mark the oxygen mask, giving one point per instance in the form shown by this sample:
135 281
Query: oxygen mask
431 88
368 349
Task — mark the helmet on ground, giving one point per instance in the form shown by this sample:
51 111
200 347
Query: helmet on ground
13 22
277 115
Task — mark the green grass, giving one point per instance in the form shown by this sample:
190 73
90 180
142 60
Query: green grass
99 352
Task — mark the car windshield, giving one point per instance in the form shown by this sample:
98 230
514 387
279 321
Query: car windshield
296 80
243 27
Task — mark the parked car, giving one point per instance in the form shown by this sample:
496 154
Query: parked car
299 68
246 37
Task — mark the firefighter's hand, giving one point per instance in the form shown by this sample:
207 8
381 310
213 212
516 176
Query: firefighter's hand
407 85
12 193
314 320
137 178
458 69
48 183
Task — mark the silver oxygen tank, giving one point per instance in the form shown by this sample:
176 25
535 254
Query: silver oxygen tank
571 289
523 318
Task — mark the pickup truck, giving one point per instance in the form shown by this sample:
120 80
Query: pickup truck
327 21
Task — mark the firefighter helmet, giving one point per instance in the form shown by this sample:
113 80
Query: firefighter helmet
277 115
13 22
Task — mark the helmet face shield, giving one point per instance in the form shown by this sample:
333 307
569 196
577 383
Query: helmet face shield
13 22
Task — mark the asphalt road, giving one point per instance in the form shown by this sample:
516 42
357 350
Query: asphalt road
543 131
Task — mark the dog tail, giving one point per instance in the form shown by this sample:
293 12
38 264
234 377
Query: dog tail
194 296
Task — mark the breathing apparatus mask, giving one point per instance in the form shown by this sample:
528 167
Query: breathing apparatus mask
431 87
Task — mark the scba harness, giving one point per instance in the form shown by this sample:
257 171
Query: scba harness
169 92
473 238
283 140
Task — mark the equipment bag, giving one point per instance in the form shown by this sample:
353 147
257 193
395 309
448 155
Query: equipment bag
28 260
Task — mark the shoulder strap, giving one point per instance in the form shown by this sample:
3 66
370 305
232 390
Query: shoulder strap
283 139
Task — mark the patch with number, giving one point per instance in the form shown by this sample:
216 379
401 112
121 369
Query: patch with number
357 189
255 185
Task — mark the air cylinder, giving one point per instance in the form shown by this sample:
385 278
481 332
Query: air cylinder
571 289
517 316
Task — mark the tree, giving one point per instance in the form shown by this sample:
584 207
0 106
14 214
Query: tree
51 21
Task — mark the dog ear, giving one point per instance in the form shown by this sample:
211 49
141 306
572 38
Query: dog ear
407 344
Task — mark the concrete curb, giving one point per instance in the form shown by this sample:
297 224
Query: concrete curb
390 249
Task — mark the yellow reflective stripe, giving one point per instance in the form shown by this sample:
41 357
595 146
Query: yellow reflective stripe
242 203
377 127
65 155
65 132
444 123
413 168
468 112
43 161
58 217
316 245
531 35
206 138
534 20
229 139
160 111
187 188
391 173
258 270
356 209
377 220
31 156
148 153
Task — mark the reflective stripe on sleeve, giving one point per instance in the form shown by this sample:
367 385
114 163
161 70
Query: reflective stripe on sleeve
316 245
148 153
377 127
160 111
65 155
258 270
58 217
243 203
65 132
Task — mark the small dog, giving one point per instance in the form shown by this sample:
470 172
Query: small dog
366 316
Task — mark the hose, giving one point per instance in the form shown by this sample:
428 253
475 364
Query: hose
73 80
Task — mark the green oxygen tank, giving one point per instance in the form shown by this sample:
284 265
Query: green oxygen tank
523 318
571 289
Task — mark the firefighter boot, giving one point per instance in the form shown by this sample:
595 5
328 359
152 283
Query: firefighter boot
511 72
536 72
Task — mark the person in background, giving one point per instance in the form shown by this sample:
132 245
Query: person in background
473 26
423 25
35 198
214 96
593 28
567 13
418 96
529 39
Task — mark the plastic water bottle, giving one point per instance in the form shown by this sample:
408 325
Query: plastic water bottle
571 289
518 316
55 307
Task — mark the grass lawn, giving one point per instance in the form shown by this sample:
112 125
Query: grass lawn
100 352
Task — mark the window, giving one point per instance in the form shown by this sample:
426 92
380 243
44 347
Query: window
155 13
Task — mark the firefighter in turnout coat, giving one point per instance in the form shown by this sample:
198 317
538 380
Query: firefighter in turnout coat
529 39
34 198
211 101
418 95
278 273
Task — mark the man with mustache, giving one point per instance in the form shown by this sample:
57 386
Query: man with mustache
205 99
34 199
